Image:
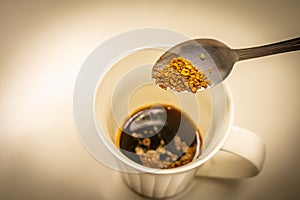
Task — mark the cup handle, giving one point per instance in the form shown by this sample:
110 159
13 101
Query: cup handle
241 156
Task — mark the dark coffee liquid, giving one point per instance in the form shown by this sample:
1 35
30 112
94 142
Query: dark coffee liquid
160 136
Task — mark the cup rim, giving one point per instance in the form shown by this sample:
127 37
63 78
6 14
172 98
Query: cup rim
88 80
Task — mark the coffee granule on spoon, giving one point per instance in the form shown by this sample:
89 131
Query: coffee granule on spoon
180 75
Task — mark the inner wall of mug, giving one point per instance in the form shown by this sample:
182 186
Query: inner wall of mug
127 86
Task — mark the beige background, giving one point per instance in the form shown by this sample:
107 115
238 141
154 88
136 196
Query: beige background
44 43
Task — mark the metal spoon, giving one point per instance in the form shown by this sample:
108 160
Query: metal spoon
216 59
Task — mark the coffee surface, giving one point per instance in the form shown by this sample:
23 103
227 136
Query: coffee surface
159 136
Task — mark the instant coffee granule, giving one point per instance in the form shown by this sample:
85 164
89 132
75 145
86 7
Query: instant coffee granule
180 75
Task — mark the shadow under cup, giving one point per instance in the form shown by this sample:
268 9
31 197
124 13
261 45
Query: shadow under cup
127 86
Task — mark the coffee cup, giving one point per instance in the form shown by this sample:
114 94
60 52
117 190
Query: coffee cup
114 81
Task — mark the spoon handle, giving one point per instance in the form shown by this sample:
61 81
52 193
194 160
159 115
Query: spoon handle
275 48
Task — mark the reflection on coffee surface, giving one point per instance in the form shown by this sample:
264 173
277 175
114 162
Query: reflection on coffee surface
160 136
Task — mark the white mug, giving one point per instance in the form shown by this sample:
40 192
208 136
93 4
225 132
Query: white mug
104 98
